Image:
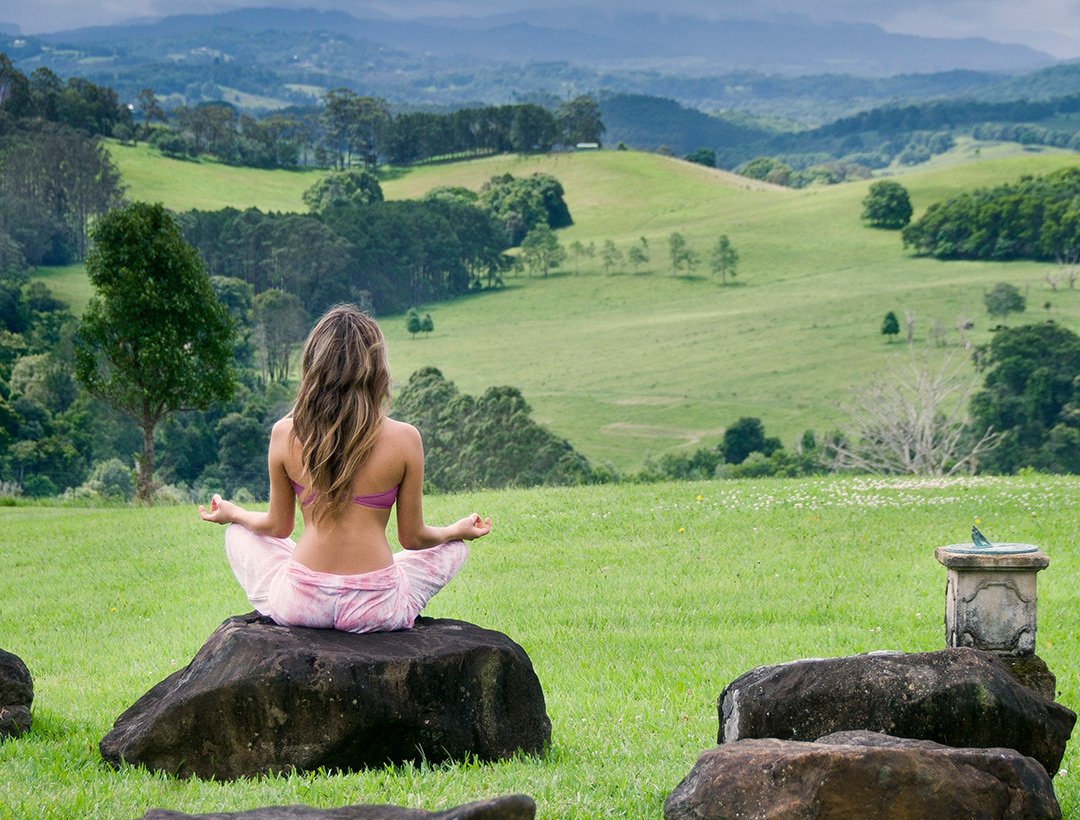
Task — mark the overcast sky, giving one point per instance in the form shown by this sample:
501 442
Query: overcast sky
1052 26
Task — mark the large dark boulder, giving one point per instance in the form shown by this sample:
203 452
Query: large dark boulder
16 695
511 807
859 774
260 698
960 697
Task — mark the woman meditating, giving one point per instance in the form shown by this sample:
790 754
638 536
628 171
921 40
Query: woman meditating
347 464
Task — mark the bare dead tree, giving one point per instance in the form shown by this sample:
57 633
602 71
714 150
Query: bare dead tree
913 423
909 323
963 325
1068 263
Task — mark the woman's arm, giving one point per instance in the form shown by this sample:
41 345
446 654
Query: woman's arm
280 519
413 533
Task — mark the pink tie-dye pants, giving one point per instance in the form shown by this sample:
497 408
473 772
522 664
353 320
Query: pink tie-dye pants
380 601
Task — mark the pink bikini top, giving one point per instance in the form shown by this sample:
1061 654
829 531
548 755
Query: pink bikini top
377 501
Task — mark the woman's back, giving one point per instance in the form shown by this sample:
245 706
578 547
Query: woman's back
353 541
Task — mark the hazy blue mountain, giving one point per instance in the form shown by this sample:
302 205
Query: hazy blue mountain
608 39
1056 81
791 68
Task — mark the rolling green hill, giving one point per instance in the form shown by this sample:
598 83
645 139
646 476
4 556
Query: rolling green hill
635 364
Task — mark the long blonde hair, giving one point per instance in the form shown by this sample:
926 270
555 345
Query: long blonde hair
342 401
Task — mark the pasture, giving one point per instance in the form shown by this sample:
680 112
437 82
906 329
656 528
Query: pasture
633 364
637 604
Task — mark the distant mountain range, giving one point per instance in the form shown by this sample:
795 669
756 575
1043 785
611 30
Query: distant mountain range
270 58
607 39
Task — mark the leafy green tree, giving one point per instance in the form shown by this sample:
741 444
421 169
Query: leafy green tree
112 479
767 169
887 205
678 251
725 259
579 251
427 324
239 299
1036 218
532 129
352 125
1003 299
541 249
155 338
150 108
891 325
610 256
352 186
522 203
413 322
744 437
638 255
703 156
1031 396
579 121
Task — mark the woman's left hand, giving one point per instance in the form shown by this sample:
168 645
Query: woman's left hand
473 526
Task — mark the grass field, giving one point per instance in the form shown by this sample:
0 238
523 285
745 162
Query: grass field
207 185
636 364
632 365
637 604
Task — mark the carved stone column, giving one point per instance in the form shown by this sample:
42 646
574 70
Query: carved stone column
990 604
990 596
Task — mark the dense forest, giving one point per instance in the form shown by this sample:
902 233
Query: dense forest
1035 218
351 128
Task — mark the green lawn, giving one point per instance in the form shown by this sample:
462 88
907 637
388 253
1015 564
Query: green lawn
637 604
633 365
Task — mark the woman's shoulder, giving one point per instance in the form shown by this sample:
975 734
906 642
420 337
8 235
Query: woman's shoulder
282 428
400 431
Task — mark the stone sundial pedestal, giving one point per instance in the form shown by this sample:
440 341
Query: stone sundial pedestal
990 604
990 596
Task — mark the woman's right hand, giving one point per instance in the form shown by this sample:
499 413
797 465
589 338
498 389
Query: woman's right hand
472 526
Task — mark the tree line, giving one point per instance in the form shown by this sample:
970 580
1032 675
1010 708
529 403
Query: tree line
55 175
355 129
1036 218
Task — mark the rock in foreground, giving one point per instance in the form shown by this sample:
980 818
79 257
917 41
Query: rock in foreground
16 695
960 697
511 807
860 774
261 698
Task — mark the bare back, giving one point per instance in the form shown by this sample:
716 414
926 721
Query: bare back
355 541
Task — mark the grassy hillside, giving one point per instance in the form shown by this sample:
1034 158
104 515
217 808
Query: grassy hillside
183 185
636 604
632 365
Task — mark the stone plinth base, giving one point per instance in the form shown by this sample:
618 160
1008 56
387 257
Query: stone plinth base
990 600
